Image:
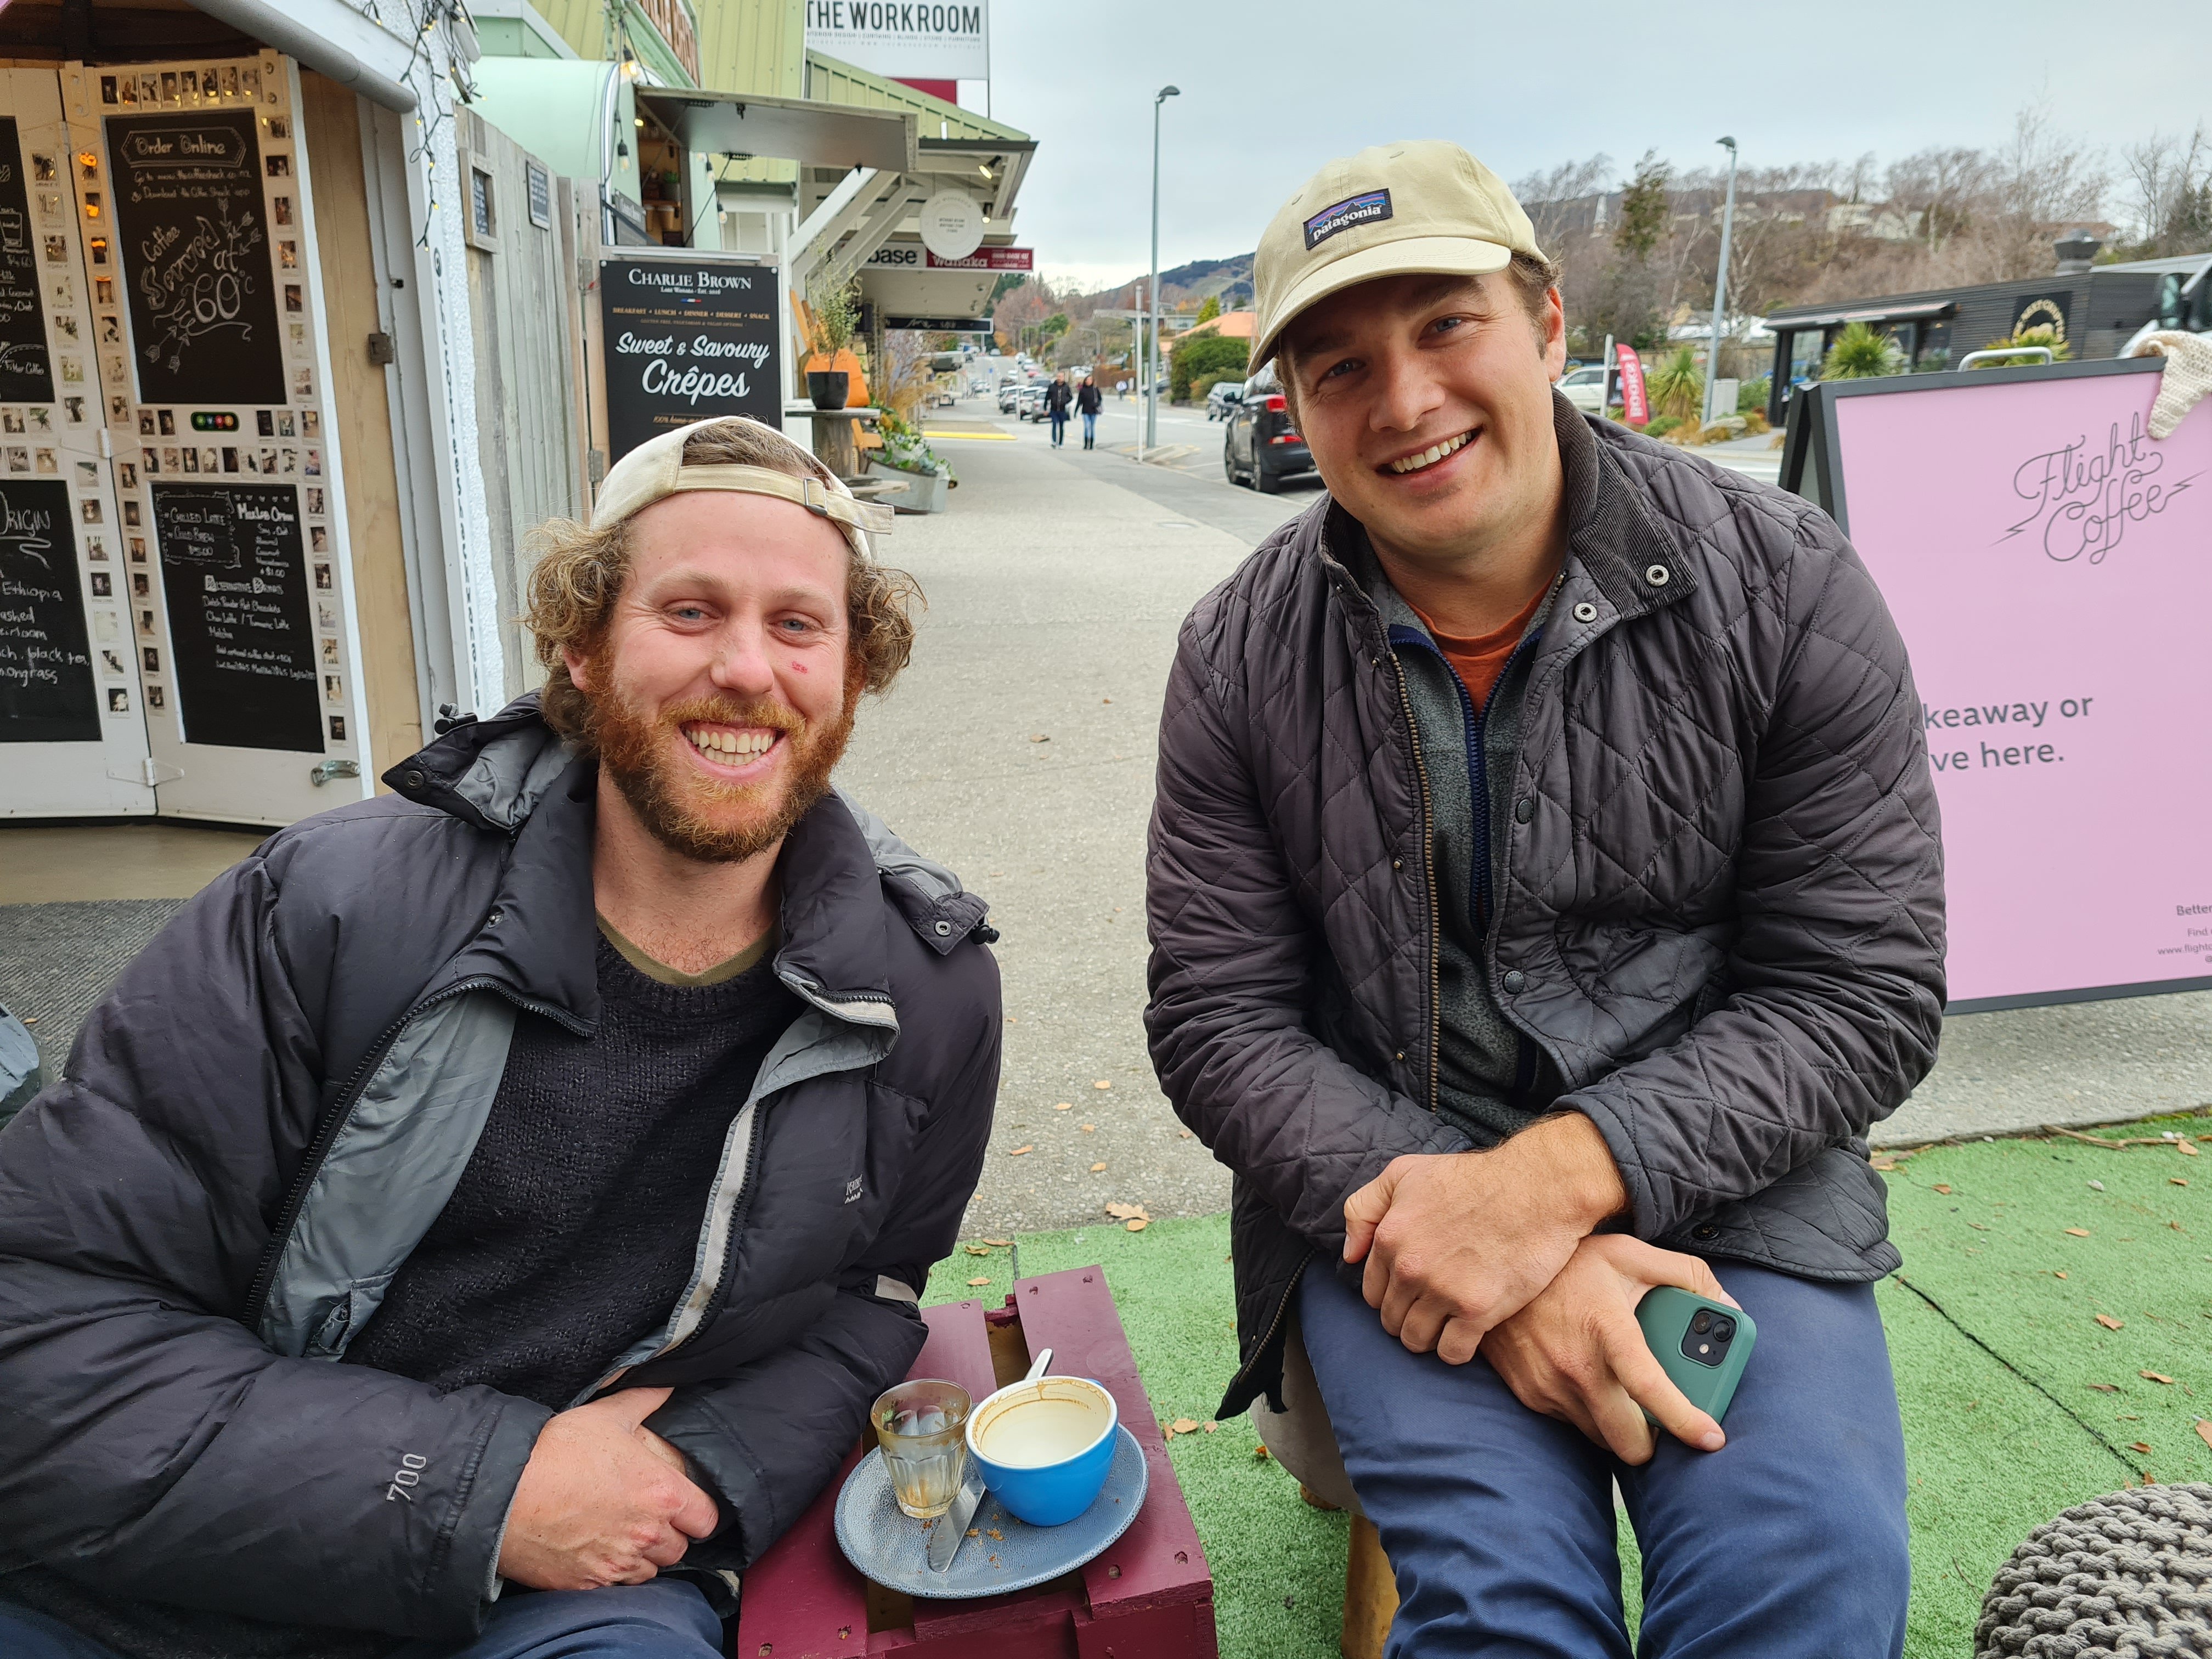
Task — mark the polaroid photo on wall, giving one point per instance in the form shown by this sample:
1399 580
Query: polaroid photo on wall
168 418
151 656
154 698
323 583
118 700
292 300
141 586
103 625
284 422
330 652
88 475
280 127
89 511
169 457
119 410
283 209
103 289
291 460
146 621
311 422
39 421
128 471
103 585
337 728
112 663
138 550
131 513
66 327
314 503
207 459
326 614
280 166
150 459
19 459
288 254
319 538
11 420
192 458
314 467
333 690
111 330
96 549
229 459
45 460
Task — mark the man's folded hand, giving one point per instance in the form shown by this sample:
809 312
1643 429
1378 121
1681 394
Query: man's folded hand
1576 1351
604 1500
1456 1242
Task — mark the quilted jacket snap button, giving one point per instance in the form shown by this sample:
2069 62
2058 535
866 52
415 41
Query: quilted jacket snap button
1705 1230
943 928
1585 611
1656 576
1523 810
1514 978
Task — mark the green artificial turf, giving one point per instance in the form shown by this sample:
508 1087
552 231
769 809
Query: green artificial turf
2003 1428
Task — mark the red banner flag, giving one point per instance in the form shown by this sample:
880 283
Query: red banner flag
1634 405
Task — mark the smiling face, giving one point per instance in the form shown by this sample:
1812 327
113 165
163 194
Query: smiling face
721 693
1427 401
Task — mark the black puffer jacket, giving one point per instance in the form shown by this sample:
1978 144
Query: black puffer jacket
1721 910
258 1121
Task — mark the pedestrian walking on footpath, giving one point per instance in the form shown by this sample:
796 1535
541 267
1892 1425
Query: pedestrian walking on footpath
1089 400
1057 398
1547 897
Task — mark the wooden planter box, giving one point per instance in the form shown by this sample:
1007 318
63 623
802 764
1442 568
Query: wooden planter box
1150 1596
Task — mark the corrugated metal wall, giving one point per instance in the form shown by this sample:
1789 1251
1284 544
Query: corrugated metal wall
753 45
523 298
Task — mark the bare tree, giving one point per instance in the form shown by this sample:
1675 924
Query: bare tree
2170 181
1554 201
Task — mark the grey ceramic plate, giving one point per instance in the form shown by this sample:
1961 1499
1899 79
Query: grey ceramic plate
890 1548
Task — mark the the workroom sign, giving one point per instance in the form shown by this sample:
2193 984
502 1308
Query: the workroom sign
686 340
909 39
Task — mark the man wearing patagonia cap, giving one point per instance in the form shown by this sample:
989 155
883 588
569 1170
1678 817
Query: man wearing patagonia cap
476 1225
1545 896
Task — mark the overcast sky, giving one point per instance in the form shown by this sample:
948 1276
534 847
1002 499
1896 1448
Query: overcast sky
1272 88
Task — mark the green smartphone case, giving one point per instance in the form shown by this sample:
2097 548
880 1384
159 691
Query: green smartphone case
1666 1315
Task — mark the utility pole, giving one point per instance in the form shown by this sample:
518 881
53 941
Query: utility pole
1153 357
1720 285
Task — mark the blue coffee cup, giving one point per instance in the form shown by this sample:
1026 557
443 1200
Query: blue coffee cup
1043 1446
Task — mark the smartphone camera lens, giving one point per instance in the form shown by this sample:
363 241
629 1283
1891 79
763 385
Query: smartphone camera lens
1723 1328
1701 1321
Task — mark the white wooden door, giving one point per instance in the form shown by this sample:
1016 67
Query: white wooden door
192 196
73 736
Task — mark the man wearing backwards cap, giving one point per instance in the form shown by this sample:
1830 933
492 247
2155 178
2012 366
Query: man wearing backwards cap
489 1198
1545 896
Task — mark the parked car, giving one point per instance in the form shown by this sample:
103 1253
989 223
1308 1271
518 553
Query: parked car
1010 394
1224 397
1030 405
1585 389
1261 447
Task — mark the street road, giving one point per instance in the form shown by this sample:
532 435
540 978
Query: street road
1019 749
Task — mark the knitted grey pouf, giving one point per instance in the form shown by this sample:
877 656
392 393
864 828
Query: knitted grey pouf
2127 1575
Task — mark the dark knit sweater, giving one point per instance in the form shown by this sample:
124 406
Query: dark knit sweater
572 1233
570 1236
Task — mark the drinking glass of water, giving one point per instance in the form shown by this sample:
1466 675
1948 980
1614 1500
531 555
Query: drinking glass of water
919 1426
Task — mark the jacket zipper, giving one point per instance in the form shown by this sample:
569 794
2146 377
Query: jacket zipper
1429 873
334 1121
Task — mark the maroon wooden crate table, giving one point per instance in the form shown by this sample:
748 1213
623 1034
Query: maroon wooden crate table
1149 1596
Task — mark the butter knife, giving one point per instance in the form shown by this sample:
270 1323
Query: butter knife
945 1538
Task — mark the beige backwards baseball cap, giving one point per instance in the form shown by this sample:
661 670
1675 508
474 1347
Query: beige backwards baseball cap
1392 210
655 469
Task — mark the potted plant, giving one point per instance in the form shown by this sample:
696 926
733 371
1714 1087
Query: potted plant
906 451
834 309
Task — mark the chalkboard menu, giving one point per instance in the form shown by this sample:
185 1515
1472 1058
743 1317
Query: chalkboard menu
241 640
687 340
25 375
46 690
195 250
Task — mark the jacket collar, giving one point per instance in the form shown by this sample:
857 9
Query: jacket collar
539 938
1614 539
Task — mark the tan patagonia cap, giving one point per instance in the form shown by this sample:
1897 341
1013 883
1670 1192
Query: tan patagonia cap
655 469
1391 211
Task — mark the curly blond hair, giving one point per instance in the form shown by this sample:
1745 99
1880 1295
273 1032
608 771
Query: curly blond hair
581 571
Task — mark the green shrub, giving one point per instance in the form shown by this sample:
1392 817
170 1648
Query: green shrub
1751 396
1209 354
1861 354
1678 385
2045 337
1663 425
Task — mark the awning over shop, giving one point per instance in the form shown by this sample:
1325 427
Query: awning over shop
1874 314
791 129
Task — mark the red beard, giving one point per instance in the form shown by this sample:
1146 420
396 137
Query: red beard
702 817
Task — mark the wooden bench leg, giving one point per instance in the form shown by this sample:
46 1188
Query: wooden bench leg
1370 1593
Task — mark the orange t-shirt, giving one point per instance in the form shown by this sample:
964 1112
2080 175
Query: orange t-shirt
1479 661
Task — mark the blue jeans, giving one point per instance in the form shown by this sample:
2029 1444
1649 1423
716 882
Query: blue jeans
1058 425
1090 428
1788 1543
664 1620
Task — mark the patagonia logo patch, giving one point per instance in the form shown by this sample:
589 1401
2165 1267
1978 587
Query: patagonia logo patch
1367 209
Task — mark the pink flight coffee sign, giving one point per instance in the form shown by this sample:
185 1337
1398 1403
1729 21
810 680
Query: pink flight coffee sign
2050 565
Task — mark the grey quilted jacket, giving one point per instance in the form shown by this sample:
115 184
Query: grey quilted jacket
1719 909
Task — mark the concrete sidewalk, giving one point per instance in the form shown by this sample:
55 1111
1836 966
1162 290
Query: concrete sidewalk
1019 748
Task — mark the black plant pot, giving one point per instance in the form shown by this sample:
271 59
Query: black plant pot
828 387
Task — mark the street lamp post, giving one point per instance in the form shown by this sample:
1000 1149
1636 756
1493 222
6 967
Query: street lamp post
1720 284
1152 356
